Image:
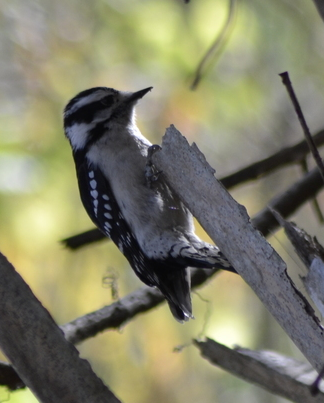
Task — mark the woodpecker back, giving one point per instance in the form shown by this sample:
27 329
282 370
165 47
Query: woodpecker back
136 209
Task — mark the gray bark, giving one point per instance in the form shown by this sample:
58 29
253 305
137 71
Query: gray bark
48 364
228 224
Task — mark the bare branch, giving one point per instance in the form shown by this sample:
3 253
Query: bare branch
278 374
253 258
36 347
316 207
305 246
109 317
286 81
311 254
280 159
218 45
112 316
287 202
122 311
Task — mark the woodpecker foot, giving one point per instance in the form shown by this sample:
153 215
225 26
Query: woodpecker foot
151 173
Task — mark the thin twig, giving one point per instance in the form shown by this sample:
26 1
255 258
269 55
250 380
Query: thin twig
315 204
287 83
218 44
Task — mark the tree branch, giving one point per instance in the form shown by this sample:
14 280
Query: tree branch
278 374
36 347
286 203
287 83
125 309
253 258
311 253
280 159
112 316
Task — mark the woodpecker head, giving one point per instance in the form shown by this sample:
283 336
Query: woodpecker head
95 107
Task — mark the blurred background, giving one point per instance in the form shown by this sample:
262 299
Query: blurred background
239 113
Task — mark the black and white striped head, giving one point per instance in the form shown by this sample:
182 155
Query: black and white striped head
95 107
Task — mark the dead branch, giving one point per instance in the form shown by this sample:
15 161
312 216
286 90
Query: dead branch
122 311
280 159
286 203
287 83
274 372
36 347
253 258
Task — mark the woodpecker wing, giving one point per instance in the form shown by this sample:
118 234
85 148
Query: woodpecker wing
100 204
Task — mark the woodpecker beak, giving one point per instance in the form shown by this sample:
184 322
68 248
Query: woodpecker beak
139 94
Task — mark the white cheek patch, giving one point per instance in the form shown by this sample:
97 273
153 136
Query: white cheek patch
78 134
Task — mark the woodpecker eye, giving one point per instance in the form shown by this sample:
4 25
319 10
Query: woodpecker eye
108 100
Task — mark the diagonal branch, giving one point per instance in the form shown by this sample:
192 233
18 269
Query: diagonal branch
280 159
286 81
124 310
254 259
288 202
36 347
109 317
274 372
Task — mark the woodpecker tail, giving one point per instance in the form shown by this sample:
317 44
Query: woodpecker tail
175 286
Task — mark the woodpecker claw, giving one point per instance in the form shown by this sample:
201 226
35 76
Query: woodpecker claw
151 173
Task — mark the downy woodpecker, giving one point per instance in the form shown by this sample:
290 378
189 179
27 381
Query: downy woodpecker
129 201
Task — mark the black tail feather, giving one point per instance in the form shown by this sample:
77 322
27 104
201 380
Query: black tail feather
175 286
